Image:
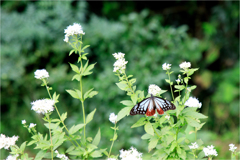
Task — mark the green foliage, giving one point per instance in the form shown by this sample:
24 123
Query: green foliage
32 38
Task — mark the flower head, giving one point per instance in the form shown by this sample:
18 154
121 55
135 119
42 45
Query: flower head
75 29
41 73
12 157
185 65
118 55
166 66
61 156
43 106
131 154
153 89
178 80
23 121
193 102
6 142
193 146
120 64
232 147
32 125
167 117
113 118
209 151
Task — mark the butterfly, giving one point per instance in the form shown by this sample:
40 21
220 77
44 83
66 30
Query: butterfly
149 105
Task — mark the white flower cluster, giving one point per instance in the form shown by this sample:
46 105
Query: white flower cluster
167 117
41 73
6 142
120 64
185 65
193 102
194 146
61 156
32 125
166 66
71 30
12 157
232 147
131 154
111 159
23 121
43 106
209 151
153 89
113 118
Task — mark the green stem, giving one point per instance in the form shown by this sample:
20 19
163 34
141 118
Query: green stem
112 141
60 115
170 85
129 85
50 135
82 100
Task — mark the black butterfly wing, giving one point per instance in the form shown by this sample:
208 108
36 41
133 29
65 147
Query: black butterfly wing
142 107
163 104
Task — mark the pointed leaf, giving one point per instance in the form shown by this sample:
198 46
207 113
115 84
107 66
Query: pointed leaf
90 116
123 112
74 68
148 128
142 121
73 94
97 138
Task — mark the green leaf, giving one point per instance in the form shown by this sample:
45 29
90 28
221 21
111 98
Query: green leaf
142 121
191 113
77 77
84 67
173 146
55 97
74 68
186 80
201 155
22 147
71 52
90 116
73 93
146 136
97 138
85 47
40 155
181 139
132 81
152 144
123 112
170 139
192 122
87 71
64 116
179 87
76 128
167 80
122 85
90 93
191 71
134 98
183 154
149 129
127 103
96 154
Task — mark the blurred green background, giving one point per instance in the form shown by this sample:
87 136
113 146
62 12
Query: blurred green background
149 33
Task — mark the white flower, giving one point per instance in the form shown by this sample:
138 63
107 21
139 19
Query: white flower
193 102
153 89
209 151
111 159
178 80
32 125
194 146
166 66
167 117
71 30
23 121
185 65
118 55
120 65
179 76
113 118
43 106
41 73
232 147
131 154
61 156
12 157
6 142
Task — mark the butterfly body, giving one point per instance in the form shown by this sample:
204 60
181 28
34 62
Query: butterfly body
149 106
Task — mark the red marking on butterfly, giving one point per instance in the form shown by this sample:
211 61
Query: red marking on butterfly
149 106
